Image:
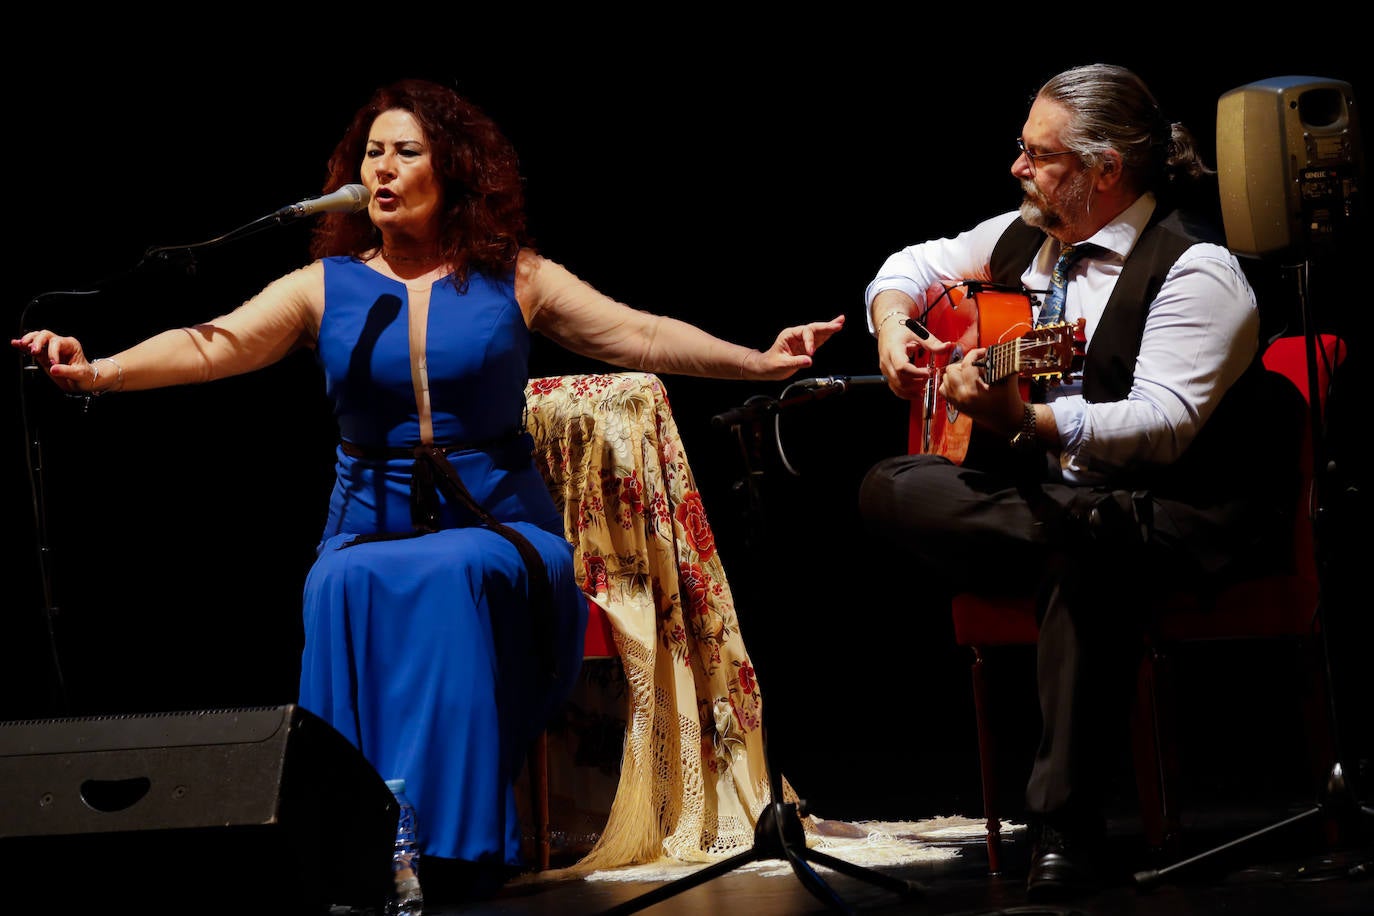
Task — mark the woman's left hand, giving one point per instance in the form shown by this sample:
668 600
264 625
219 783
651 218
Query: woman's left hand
792 351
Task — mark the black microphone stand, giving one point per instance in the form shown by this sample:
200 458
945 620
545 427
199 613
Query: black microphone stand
1336 802
779 833
182 257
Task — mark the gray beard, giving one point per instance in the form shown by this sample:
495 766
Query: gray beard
1040 218
1047 219
1032 214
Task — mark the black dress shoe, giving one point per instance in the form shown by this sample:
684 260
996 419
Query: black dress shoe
1061 868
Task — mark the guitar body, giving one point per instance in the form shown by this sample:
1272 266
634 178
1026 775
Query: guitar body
980 318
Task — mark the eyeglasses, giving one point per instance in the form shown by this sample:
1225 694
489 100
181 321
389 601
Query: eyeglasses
1034 158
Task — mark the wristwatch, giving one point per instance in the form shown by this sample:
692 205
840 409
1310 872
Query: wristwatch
1024 437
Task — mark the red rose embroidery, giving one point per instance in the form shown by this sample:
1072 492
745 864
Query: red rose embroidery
696 586
747 680
691 515
595 583
632 492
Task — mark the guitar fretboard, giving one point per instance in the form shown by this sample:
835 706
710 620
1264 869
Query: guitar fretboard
1002 360
1042 352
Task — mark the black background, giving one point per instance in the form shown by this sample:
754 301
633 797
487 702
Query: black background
743 176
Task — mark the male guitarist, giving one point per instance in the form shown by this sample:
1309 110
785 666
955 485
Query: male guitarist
1146 468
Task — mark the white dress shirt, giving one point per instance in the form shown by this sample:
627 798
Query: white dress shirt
1201 332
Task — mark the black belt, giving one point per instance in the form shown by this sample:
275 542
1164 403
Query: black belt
387 452
433 474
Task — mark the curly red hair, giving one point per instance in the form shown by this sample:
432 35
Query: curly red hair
483 225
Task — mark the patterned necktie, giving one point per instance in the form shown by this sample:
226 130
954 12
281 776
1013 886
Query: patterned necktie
1053 312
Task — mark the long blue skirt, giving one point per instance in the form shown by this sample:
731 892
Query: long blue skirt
421 651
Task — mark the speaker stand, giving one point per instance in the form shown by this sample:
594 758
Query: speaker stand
778 833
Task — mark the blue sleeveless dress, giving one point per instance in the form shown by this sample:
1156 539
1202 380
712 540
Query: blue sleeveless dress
422 650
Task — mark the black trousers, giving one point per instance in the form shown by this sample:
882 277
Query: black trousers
1091 557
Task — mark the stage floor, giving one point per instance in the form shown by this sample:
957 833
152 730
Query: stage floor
1288 872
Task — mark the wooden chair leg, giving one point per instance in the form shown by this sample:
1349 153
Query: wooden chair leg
987 763
1149 776
1156 762
539 799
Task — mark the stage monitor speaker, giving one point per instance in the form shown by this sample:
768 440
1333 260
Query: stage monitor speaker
253 810
1289 165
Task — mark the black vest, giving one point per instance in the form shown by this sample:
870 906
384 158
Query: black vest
1229 456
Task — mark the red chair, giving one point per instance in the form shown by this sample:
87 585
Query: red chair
600 643
1280 605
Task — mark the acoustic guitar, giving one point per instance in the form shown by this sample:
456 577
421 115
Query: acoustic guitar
974 315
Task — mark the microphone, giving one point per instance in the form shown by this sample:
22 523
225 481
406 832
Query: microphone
349 199
842 382
756 407
917 328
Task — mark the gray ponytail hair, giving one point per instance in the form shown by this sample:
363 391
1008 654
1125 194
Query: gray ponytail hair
1112 108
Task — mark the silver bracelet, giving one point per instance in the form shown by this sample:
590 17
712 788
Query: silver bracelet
119 374
95 377
904 316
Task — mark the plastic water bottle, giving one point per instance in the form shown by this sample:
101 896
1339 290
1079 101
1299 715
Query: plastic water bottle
405 861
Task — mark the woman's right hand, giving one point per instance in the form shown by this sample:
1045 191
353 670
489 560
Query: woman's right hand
61 358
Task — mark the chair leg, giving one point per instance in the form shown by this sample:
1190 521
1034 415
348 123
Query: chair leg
1149 776
539 799
1156 763
987 763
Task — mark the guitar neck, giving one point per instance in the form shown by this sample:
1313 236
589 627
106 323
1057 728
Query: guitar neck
1002 360
1040 353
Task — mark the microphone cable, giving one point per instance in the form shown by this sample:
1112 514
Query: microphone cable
777 430
829 384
